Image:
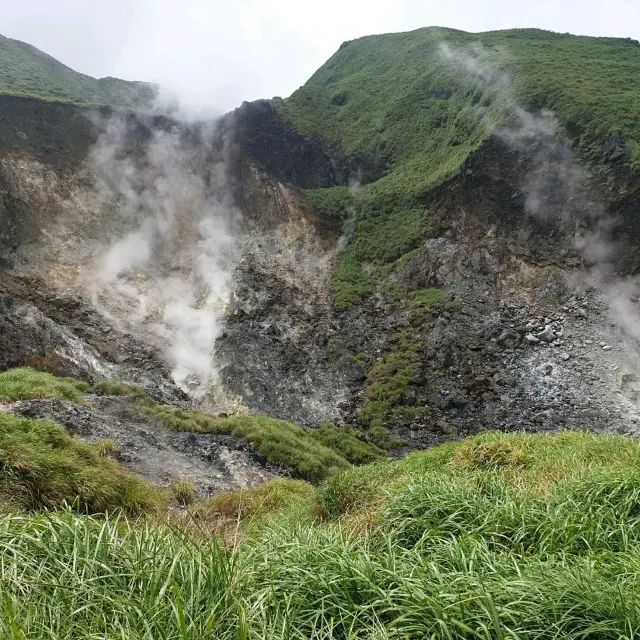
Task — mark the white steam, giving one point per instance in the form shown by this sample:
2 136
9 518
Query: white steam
556 187
164 272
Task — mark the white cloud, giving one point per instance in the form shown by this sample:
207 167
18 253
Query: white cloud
219 53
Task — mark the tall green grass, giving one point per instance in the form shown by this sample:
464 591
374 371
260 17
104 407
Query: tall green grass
42 466
499 537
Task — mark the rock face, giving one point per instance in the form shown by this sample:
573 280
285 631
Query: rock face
520 339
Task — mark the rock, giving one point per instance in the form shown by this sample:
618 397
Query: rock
606 348
530 338
547 335
565 356
581 312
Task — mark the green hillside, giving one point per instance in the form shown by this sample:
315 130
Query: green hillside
27 71
400 96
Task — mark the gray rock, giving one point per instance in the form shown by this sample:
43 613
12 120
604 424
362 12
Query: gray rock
547 335
531 338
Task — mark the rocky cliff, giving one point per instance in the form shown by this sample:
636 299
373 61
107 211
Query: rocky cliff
208 262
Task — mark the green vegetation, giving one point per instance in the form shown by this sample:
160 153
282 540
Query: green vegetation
250 507
349 443
25 383
387 385
501 536
334 202
405 100
27 71
282 443
106 447
184 493
42 466
115 388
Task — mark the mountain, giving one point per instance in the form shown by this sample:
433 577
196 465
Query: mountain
371 350
27 71
417 104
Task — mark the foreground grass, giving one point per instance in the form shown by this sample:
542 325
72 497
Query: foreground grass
496 537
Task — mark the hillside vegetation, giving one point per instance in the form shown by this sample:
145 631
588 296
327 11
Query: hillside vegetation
27 71
421 102
500 536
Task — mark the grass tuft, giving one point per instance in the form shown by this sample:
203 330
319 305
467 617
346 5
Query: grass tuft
43 467
25 383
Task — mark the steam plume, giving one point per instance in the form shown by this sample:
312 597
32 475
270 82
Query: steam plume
164 272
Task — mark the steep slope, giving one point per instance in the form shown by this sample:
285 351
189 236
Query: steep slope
27 71
417 104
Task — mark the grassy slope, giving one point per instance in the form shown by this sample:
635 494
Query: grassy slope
501 536
394 107
312 454
27 71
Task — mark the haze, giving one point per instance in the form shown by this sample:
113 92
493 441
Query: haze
216 54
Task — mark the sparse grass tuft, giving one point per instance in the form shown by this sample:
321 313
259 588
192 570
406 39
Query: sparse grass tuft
25 383
115 388
184 493
106 447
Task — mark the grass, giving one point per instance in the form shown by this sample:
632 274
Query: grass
42 466
25 383
281 443
350 443
313 455
407 103
184 493
500 536
387 384
27 71
115 388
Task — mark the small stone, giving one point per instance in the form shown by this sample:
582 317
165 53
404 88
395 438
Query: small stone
531 338
547 335
581 312
565 356
606 348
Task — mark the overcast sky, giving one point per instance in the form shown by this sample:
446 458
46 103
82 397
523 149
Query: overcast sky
221 52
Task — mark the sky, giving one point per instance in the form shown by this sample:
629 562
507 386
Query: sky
217 53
